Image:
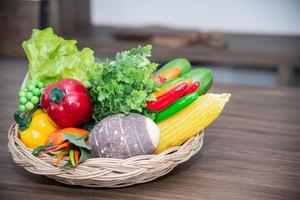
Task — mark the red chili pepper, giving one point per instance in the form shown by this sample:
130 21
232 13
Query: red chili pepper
170 87
167 99
67 103
194 87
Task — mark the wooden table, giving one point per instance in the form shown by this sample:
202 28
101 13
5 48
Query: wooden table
251 152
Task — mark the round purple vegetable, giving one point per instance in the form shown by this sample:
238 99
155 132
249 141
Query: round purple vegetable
124 136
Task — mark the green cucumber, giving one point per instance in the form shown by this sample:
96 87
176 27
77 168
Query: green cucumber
183 63
204 76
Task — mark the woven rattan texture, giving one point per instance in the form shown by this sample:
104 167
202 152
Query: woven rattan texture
104 172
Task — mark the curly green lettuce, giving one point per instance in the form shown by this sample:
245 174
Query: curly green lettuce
122 85
52 58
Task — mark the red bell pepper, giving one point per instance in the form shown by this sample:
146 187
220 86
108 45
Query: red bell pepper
67 103
194 87
167 99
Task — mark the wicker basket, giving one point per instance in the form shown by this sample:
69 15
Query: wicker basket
104 172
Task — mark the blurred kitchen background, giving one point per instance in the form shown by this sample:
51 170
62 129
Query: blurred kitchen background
249 42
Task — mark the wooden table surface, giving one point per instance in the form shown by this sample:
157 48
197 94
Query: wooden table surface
251 152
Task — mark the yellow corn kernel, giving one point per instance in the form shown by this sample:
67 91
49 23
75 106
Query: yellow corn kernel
178 128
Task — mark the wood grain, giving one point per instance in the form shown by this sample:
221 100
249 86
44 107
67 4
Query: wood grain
251 152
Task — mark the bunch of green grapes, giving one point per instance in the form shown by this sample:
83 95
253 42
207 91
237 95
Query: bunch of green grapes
29 97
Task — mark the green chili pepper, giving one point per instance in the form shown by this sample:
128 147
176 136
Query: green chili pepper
168 83
177 106
71 156
60 153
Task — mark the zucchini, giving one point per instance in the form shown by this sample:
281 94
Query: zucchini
204 76
183 63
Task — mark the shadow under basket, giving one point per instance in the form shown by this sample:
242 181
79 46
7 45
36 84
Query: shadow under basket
104 172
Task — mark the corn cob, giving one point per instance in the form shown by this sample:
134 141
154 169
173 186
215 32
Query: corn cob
191 120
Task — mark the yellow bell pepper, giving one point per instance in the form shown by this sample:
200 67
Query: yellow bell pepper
41 126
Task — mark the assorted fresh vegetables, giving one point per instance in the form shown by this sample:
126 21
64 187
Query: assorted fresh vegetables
74 108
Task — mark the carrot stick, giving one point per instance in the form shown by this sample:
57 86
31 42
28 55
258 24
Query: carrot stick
170 73
59 152
58 147
63 145
76 156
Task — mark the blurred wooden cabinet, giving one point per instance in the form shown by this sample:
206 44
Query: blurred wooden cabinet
69 16
17 18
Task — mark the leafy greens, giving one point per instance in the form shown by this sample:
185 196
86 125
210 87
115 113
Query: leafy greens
122 85
52 58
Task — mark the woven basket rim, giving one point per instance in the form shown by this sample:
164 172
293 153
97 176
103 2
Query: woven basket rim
104 172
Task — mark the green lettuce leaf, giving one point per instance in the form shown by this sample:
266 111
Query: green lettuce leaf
52 58
122 85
